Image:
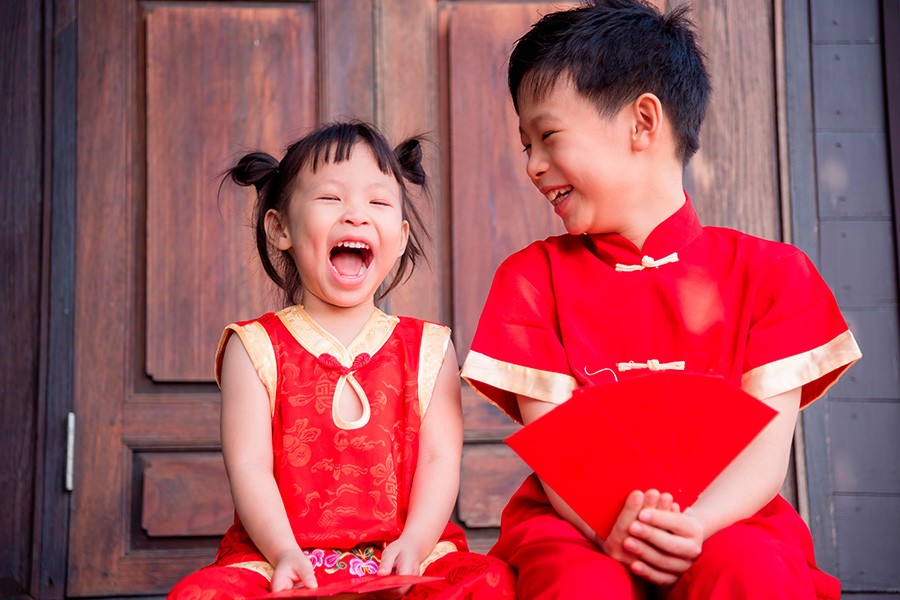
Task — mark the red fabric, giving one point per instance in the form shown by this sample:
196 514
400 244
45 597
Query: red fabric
701 424
731 303
465 576
346 492
769 555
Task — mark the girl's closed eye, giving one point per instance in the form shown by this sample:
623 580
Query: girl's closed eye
330 198
381 202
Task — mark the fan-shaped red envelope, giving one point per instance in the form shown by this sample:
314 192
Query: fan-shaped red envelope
354 587
670 431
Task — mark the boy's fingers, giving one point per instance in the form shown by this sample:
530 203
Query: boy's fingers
665 501
678 523
655 558
645 571
651 498
666 540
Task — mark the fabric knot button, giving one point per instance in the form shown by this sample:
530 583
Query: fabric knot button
333 364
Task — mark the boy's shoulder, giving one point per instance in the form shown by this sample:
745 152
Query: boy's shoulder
545 250
751 248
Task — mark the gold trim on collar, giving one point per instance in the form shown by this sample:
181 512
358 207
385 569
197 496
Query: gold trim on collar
317 341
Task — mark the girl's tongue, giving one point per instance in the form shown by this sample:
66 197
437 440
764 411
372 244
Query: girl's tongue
349 262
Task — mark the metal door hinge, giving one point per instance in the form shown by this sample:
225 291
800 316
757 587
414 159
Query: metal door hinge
70 452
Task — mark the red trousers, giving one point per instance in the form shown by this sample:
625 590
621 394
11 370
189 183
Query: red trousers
769 555
466 576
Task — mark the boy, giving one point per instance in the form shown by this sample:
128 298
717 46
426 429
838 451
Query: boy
610 98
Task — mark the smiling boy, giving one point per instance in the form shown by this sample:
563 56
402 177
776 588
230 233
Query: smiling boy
610 98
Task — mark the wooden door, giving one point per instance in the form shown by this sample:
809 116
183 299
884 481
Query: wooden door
169 92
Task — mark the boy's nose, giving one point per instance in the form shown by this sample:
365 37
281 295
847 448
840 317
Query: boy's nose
536 165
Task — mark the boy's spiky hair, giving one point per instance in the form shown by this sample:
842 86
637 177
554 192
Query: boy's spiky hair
613 51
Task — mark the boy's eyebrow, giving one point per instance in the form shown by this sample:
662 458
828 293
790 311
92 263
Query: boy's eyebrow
544 116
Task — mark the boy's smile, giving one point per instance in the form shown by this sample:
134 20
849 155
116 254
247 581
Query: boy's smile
577 158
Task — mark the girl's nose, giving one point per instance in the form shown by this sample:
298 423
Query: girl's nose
355 215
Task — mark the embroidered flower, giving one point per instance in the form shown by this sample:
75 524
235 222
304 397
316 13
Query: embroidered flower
316 557
360 567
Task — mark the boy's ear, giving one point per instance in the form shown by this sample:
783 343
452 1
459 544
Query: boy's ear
276 231
647 120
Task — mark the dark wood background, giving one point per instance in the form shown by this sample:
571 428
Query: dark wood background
120 267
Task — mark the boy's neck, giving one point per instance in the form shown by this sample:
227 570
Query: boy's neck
656 196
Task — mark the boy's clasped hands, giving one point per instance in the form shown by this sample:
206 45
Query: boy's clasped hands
654 538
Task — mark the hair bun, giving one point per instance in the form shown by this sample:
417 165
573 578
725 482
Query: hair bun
409 155
256 169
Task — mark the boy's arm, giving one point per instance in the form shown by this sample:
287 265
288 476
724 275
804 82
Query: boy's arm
247 449
436 480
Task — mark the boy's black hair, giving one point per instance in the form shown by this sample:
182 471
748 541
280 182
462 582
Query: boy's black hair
331 143
614 51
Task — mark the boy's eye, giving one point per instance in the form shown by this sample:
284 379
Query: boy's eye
546 135
526 148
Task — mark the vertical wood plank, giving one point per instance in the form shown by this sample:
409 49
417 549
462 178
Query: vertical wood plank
23 193
245 79
406 104
869 542
496 209
103 299
733 179
54 528
346 71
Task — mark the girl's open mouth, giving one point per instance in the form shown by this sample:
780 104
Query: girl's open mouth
351 258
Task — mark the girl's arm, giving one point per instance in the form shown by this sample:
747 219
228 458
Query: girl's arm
665 539
247 449
436 480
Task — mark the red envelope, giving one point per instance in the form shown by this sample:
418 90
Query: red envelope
670 431
354 587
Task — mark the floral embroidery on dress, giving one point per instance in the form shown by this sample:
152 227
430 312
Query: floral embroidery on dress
359 561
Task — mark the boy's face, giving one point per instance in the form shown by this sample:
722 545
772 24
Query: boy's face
578 158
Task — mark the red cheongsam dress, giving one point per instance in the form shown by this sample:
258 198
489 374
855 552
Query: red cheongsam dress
345 485
579 310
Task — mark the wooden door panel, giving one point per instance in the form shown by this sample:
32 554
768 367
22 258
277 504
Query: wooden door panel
168 95
220 80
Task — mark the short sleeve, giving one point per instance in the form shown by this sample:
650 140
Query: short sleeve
517 348
258 345
797 337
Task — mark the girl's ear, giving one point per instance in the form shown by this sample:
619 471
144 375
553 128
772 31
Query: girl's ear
405 238
276 230
647 119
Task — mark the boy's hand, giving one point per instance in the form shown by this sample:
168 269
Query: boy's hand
613 546
665 542
292 570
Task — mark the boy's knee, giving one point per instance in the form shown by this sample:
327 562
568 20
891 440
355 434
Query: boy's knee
597 577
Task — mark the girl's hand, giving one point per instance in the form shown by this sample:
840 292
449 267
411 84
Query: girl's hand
293 569
665 542
401 557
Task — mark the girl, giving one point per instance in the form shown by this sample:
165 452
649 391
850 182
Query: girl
341 425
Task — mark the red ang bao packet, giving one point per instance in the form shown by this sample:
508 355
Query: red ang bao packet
354 587
670 431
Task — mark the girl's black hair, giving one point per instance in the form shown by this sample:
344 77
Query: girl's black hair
614 51
331 143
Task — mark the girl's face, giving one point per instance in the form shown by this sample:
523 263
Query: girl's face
344 229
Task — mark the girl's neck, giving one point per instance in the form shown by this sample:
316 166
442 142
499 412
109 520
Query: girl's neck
342 322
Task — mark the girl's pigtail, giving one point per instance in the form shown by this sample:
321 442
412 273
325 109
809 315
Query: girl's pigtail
409 155
259 169
256 169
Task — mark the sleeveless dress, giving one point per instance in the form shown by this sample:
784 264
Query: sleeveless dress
345 484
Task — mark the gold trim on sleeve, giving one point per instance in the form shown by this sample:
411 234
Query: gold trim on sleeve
440 551
258 345
547 386
796 371
435 339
